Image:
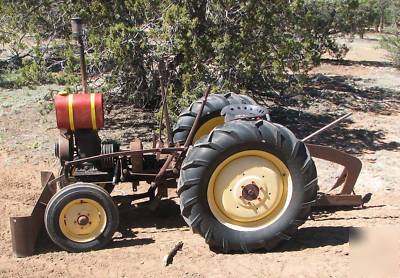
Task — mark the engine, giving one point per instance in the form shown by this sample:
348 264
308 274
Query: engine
79 117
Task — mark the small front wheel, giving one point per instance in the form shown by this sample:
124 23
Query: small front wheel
81 217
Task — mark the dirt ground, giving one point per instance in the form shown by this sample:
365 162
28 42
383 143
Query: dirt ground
364 83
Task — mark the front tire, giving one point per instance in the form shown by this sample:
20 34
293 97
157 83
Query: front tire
226 180
81 217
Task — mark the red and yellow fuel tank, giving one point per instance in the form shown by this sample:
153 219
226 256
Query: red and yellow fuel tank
79 111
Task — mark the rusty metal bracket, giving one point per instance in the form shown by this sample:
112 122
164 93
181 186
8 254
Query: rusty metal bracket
25 230
352 165
348 178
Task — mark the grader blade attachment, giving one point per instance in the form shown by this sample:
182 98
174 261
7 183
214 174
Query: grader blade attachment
347 179
25 230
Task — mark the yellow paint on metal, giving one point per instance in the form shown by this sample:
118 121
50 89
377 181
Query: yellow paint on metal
71 111
225 190
207 127
84 207
93 110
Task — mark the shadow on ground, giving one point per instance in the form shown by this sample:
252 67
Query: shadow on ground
315 237
341 137
130 124
345 62
343 91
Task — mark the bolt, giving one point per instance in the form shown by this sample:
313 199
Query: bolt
259 198
244 174
90 222
283 174
242 186
253 182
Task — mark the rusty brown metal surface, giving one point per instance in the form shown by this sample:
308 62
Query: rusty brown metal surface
347 179
160 145
70 164
340 200
160 178
65 147
25 230
137 158
328 126
196 122
352 166
165 114
192 132
77 31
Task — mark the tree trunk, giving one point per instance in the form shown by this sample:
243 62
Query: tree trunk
381 22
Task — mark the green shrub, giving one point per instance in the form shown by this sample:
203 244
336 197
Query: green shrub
392 45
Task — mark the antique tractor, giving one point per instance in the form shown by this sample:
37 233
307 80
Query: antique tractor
244 182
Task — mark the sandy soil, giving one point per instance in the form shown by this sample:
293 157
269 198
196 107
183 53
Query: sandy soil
364 83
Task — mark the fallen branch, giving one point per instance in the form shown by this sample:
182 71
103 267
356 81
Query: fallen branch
170 256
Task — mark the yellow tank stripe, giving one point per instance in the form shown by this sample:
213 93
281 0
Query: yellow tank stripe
93 110
71 111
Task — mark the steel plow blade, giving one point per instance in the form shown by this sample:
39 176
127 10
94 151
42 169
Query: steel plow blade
347 179
25 230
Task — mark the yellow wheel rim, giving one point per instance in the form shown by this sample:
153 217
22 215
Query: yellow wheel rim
249 190
82 220
207 127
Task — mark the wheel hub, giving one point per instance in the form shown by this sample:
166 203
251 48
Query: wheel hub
250 192
83 220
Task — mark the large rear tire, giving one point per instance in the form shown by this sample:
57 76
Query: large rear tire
210 118
247 186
